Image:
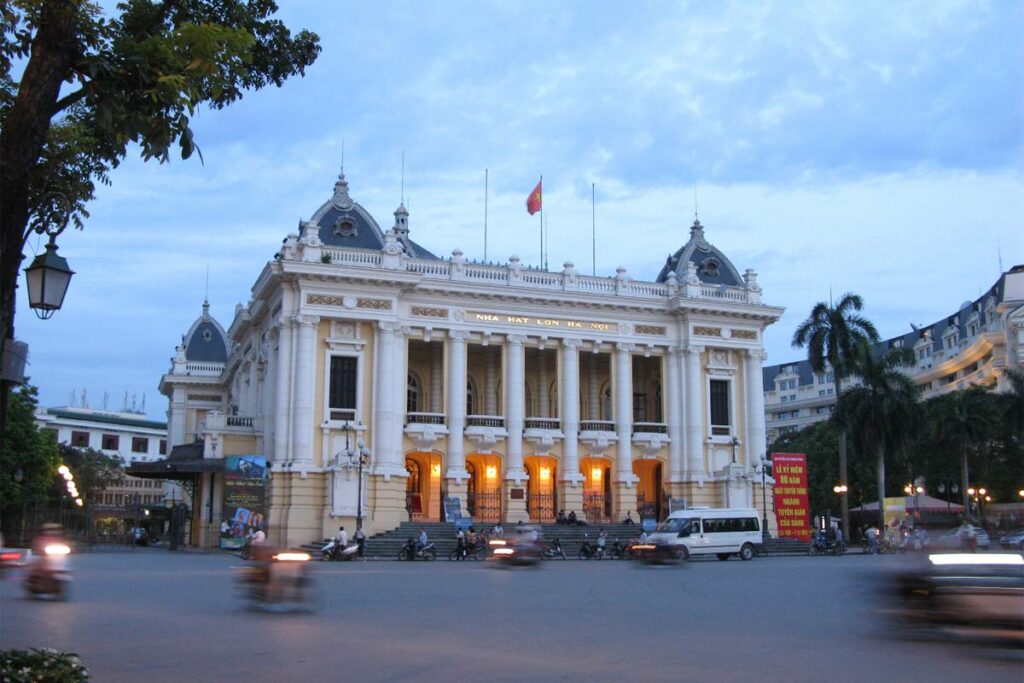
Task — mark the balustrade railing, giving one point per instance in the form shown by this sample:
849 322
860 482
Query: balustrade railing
597 426
485 421
424 418
650 428
542 423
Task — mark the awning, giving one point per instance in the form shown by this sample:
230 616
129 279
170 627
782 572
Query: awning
184 463
911 503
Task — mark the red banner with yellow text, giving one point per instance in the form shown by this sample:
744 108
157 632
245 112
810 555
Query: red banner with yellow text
792 510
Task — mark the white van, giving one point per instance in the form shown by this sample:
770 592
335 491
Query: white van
706 531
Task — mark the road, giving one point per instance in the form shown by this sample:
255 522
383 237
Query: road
156 616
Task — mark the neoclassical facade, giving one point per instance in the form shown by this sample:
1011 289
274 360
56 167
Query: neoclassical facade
517 391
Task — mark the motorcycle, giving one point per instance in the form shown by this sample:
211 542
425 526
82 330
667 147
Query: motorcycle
282 580
469 551
592 551
550 551
410 552
333 552
49 574
519 553
822 545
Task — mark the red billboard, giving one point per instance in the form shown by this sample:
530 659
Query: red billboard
792 511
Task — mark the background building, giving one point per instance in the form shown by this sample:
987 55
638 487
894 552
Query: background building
972 346
512 391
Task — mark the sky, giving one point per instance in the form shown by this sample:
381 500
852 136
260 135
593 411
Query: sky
871 147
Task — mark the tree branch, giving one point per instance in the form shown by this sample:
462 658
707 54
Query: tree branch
70 99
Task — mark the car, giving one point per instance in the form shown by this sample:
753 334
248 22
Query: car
1014 539
12 557
951 540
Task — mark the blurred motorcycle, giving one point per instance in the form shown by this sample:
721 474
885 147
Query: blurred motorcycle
49 573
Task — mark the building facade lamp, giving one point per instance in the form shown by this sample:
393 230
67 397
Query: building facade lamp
359 456
48 278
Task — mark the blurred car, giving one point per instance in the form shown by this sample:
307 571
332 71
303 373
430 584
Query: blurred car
12 557
951 539
1014 539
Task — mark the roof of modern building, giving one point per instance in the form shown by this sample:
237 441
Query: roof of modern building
711 264
930 334
105 418
343 222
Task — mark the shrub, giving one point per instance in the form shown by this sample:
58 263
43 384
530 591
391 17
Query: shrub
42 665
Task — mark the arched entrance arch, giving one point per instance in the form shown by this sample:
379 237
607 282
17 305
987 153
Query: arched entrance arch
597 488
483 488
423 485
541 493
651 501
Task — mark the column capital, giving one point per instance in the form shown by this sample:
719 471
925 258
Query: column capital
571 343
306 320
517 339
458 335
624 348
757 354
389 326
693 349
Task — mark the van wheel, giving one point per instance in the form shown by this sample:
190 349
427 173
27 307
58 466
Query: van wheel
747 552
683 553
723 556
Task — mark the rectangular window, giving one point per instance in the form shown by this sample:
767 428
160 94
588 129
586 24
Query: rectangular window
111 442
163 446
80 439
831 377
140 444
785 399
720 408
342 398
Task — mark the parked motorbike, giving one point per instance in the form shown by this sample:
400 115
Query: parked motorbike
550 551
592 551
277 579
822 545
49 574
333 552
410 552
470 551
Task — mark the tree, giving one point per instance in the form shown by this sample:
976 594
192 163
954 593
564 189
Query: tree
94 471
91 85
882 411
964 423
28 472
832 335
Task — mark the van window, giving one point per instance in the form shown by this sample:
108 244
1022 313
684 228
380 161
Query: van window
730 525
671 526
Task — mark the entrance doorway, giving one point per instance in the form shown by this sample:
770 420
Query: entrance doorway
650 496
483 488
541 494
423 486
597 489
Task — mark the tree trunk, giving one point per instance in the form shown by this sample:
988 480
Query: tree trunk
844 499
53 54
965 480
881 488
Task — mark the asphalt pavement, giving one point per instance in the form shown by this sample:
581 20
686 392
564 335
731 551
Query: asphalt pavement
155 616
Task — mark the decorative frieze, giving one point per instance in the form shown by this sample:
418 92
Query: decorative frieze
744 334
325 300
374 304
656 330
428 312
702 331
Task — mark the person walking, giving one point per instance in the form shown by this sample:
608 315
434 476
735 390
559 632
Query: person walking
872 535
360 537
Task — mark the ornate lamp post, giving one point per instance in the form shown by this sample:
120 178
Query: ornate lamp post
357 457
734 443
49 275
762 468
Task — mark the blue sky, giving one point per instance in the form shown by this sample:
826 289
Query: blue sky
872 147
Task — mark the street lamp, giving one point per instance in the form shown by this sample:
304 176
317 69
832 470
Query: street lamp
357 457
734 443
762 468
49 275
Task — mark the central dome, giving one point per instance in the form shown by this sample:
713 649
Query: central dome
712 266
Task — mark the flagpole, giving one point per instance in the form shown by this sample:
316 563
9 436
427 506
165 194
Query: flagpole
485 214
541 264
593 230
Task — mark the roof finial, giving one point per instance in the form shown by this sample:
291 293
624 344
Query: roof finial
696 218
343 156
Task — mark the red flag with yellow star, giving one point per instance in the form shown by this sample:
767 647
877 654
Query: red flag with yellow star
533 202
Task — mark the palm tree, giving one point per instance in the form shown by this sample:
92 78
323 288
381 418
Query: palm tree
832 334
966 422
882 411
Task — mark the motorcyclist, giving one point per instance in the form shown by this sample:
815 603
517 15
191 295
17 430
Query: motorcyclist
341 538
421 540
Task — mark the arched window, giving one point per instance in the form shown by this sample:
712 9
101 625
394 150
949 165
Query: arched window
606 402
412 394
470 397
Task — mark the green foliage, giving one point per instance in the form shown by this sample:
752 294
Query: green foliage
94 471
43 665
28 449
833 333
137 77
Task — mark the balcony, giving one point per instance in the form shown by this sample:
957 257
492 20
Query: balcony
542 432
485 431
651 437
425 429
597 435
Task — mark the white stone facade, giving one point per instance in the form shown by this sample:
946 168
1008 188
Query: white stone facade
519 391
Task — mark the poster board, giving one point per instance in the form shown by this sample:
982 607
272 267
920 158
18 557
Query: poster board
792 509
245 486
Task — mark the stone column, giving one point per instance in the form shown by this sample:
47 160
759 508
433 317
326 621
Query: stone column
515 408
282 389
593 389
694 422
384 416
388 506
753 387
571 497
456 411
624 479
674 414
302 413
436 380
543 409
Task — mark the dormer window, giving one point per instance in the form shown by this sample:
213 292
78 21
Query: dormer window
207 336
710 267
344 227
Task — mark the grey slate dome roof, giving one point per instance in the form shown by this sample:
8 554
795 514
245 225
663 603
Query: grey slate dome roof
206 340
342 222
713 267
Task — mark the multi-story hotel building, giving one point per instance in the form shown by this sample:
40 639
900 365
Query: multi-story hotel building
973 346
517 391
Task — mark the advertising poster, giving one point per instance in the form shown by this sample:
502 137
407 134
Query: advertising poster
894 510
245 485
792 510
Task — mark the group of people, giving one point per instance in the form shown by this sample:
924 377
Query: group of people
569 519
341 539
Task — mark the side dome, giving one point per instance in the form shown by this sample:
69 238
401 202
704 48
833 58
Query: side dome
206 340
712 266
